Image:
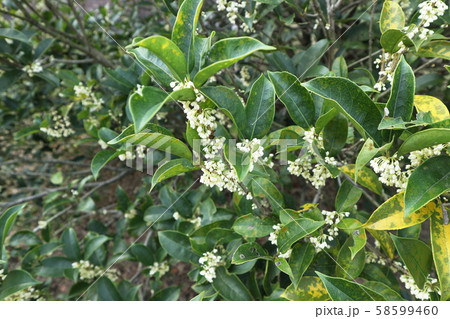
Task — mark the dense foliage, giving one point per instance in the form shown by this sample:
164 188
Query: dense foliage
224 150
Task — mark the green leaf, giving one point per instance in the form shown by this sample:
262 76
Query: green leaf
348 266
335 134
225 53
142 253
367 152
229 103
13 34
248 252
424 139
183 32
54 266
101 159
15 281
302 256
230 287
437 109
310 288
417 257
239 160
177 245
366 177
296 230
283 265
428 181
440 243
93 244
42 47
390 215
70 244
401 101
340 67
343 290
435 49
295 97
145 104
251 226
260 108
352 101
162 142
383 290
311 57
347 196
168 52
172 168
7 220
157 213
391 39
107 291
154 65
392 17
262 187
358 239
385 241
167 294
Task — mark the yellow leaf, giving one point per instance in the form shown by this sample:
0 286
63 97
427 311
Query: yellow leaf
440 244
392 17
385 241
437 109
309 289
366 177
390 215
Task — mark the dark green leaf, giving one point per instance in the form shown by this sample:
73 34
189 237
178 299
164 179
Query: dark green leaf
417 257
230 287
177 245
352 101
428 181
260 108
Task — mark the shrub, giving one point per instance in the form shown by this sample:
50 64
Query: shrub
294 177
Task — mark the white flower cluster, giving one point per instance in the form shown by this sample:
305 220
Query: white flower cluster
253 148
418 157
386 73
87 97
286 255
245 76
202 120
431 285
102 144
27 294
209 262
88 271
24 295
320 242
373 258
130 214
161 268
129 155
232 8
60 126
33 68
217 173
274 235
303 166
390 171
430 11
